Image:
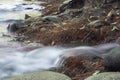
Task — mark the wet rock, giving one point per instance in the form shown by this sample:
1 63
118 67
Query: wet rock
105 76
28 8
97 24
79 64
13 27
51 18
67 4
109 1
27 16
42 75
71 13
112 60
110 16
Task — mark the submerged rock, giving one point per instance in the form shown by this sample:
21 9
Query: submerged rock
42 75
105 76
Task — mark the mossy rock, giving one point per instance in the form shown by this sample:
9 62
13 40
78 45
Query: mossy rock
42 75
105 76
112 60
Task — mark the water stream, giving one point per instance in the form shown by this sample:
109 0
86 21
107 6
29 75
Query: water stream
16 58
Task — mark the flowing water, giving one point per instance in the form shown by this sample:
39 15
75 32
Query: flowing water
16 58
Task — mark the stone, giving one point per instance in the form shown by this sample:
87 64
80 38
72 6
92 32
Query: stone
97 24
110 16
105 76
67 4
112 60
51 18
71 13
27 16
40 75
13 27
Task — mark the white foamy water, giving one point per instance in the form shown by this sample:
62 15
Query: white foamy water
15 61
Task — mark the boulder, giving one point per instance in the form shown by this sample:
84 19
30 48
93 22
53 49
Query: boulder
112 60
105 76
40 75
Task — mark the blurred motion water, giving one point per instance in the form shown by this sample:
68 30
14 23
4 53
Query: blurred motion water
16 58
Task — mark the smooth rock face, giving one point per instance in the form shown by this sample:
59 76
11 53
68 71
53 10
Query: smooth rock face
42 75
105 76
112 60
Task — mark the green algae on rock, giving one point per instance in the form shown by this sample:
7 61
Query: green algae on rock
105 76
42 75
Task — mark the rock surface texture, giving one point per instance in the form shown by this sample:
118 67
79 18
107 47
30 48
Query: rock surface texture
42 75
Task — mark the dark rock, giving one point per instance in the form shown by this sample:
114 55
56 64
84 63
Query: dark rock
109 1
110 16
27 16
67 4
97 24
112 60
28 8
13 27
105 76
70 13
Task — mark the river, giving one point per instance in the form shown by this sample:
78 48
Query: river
16 58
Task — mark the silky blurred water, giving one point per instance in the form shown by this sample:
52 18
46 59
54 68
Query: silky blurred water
16 58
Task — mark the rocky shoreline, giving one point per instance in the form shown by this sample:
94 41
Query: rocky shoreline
74 23
79 24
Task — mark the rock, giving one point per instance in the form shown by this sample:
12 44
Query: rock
97 24
105 76
109 1
76 62
110 16
112 60
51 18
15 26
70 13
67 4
42 75
27 16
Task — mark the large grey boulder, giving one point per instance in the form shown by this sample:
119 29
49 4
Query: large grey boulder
40 75
112 60
105 76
